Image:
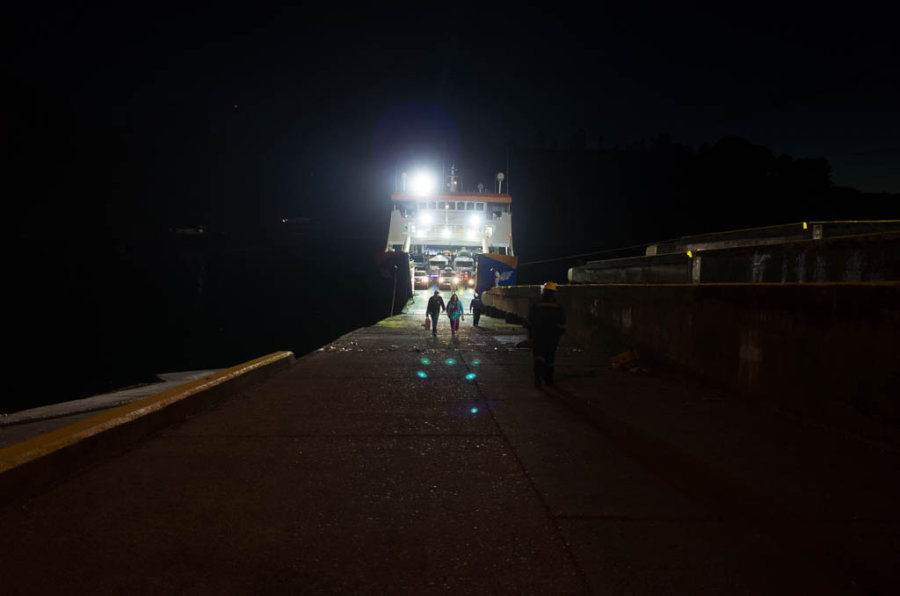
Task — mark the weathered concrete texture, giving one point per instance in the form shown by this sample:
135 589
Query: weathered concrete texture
871 257
667 268
868 257
827 351
778 234
352 473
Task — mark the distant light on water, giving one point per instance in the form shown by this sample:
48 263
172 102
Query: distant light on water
470 377
476 362
474 410
425 361
422 374
450 361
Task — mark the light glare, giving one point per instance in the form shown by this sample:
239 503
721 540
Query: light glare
422 183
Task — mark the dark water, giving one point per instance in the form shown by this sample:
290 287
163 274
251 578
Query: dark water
96 319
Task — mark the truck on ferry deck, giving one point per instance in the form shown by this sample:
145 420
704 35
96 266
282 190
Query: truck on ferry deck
464 264
462 225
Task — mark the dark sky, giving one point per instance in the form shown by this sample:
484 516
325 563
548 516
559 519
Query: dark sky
120 119
140 103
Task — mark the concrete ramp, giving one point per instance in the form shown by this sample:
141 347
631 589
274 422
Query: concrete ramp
391 462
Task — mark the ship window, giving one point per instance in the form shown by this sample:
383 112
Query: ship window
442 204
461 206
470 206
479 206
431 205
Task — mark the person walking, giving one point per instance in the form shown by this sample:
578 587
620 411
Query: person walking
455 312
546 323
434 308
475 308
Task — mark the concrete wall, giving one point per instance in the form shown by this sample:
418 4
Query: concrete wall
827 351
780 234
660 269
869 257
872 257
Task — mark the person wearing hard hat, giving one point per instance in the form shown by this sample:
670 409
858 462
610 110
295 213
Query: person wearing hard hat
546 324
475 307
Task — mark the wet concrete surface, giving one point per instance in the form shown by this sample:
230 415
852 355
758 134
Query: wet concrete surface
374 466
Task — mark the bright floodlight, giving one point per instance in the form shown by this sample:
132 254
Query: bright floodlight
425 218
422 183
475 220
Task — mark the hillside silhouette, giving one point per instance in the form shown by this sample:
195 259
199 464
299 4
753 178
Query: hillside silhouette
578 199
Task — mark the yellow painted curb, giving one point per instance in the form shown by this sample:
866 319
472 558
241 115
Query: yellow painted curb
35 448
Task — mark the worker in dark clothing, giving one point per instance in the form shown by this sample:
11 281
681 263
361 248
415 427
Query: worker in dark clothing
434 308
546 323
475 308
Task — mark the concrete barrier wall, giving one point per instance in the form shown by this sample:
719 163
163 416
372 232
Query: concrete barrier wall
866 258
874 257
829 351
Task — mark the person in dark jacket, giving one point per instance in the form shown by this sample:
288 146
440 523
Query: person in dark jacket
434 308
546 324
475 308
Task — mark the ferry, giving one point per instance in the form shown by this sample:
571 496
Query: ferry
460 240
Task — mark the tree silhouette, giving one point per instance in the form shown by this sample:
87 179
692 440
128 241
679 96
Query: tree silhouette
581 199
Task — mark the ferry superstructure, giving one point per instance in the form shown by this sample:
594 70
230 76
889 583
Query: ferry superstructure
457 241
451 222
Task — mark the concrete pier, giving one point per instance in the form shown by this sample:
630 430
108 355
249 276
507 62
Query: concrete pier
392 462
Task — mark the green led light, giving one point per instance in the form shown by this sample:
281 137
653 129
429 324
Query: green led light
470 377
476 362
450 361
425 361
422 374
